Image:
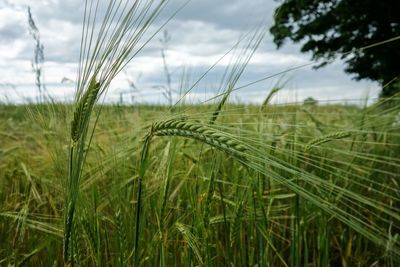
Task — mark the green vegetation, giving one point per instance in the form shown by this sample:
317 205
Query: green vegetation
270 187
213 184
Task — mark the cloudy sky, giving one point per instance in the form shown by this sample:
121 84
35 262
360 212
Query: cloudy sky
199 35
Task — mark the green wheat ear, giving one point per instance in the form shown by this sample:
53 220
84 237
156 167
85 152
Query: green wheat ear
83 109
200 132
271 94
326 138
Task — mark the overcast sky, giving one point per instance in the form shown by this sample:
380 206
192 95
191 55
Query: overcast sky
199 35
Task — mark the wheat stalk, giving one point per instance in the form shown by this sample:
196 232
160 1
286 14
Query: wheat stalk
105 51
83 110
326 138
197 131
180 126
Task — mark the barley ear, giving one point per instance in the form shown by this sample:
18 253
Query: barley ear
200 132
84 109
326 138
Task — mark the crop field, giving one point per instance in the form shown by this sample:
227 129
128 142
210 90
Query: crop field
91 182
260 186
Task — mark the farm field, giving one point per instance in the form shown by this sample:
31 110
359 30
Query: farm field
199 133
238 185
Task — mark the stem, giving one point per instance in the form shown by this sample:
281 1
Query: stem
142 170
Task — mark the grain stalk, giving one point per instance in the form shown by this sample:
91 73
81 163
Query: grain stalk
38 60
326 138
193 130
105 50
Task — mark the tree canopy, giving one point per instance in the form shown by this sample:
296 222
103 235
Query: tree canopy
338 28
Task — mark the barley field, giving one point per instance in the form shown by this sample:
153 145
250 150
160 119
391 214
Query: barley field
278 186
217 183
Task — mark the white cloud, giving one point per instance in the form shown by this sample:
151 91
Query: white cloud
200 35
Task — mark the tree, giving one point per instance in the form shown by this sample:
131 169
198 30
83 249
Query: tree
310 101
332 28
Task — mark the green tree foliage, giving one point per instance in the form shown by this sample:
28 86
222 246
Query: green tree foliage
331 28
